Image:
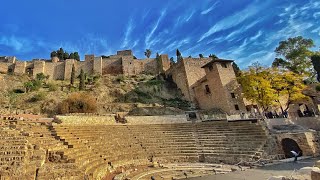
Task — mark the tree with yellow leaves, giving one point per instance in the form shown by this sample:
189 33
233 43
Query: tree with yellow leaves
257 87
289 86
267 86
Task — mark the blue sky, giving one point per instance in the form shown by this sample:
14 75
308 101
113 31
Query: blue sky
244 30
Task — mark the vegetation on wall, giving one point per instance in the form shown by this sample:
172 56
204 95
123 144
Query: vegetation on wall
63 55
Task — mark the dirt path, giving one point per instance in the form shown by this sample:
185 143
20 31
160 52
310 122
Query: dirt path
284 169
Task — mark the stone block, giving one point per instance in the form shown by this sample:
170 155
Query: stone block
315 175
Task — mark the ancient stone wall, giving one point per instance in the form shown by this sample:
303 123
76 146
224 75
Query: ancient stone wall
55 70
307 142
219 89
4 67
78 120
170 119
38 67
97 65
112 66
178 74
187 72
125 53
20 67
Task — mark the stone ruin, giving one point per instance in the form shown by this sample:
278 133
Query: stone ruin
36 149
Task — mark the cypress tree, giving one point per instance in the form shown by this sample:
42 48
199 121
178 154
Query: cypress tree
73 75
82 78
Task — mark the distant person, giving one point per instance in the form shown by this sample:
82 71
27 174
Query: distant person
295 155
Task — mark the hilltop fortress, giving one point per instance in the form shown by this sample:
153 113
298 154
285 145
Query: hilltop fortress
206 82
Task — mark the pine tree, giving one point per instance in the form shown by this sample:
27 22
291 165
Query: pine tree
82 79
73 75
179 56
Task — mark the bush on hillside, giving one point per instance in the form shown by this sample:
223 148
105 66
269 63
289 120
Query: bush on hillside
49 107
37 97
78 103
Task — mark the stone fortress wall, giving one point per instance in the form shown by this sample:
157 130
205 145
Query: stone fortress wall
208 89
122 63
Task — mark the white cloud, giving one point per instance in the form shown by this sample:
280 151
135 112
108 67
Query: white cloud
17 43
234 19
204 12
149 36
256 36
126 39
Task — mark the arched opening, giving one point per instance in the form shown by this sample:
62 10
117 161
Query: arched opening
290 145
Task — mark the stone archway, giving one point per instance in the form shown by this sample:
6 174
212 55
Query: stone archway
290 145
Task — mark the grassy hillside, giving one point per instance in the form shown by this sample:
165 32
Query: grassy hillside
134 94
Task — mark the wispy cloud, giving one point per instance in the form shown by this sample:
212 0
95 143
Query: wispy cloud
233 20
206 11
256 36
149 36
18 44
126 39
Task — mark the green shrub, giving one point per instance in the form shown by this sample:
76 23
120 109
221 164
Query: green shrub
318 87
52 87
154 82
120 78
32 85
37 97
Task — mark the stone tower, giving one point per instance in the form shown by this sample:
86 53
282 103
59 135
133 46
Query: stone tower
219 88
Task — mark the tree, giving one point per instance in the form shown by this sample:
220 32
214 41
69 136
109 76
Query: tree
288 86
200 55
179 56
172 60
71 56
257 87
269 86
73 75
213 56
53 54
82 79
147 53
236 69
295 55
315 59
76 56
41 77
63 55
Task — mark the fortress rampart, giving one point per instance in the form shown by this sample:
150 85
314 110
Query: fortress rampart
122 63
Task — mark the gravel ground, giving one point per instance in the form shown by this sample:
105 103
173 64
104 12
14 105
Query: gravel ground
283 169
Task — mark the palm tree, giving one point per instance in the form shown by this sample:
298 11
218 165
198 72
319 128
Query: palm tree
148 53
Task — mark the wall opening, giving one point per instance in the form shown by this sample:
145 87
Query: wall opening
290 145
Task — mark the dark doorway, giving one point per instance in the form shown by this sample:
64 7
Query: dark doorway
290 145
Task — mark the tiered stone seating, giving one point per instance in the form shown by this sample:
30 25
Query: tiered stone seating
230 142
168 142
98 149
13 150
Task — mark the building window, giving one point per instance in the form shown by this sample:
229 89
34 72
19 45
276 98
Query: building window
224 65
208 89
236 107
210 68
233 95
